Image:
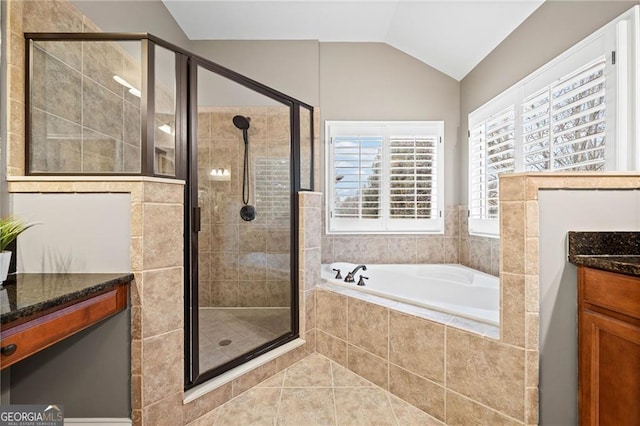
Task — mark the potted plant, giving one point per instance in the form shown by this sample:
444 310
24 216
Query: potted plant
9 231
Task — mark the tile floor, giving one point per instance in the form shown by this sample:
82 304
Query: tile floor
226 333
316 391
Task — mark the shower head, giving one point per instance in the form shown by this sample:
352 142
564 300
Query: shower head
241 122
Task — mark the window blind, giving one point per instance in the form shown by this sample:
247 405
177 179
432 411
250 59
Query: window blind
384 177
357 168
492 153
412 186
563 125
575 113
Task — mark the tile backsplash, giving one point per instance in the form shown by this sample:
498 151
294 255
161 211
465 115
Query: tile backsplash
454 246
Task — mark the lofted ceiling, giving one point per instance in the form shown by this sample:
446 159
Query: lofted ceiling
450 35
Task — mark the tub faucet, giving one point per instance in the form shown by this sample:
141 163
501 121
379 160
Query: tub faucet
349 278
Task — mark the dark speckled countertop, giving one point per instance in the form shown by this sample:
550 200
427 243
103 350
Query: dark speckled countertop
609 251
31 294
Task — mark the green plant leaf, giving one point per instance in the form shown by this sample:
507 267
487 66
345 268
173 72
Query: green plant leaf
10 229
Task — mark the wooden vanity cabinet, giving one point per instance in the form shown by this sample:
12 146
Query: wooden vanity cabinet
33 334
609 348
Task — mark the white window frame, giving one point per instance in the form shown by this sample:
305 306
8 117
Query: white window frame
622 150
384 224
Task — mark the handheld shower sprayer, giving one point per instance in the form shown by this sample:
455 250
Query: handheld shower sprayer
242 123
247 212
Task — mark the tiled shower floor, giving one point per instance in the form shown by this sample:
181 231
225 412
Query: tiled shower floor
226 333
316 391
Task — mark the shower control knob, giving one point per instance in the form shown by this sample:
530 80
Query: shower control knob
361 280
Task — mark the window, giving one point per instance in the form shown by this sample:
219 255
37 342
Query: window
492 146
384 177
572 114
563 125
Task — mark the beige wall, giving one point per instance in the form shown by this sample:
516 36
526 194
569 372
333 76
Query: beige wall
374 81
550 30
291 67
134 16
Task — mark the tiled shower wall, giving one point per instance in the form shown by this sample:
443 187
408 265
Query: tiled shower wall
244 263
83 120
454 246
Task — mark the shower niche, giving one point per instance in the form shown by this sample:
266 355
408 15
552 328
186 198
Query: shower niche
133 104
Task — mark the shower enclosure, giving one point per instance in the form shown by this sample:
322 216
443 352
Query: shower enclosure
132 104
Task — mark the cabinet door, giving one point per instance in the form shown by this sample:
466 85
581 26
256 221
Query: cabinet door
609 371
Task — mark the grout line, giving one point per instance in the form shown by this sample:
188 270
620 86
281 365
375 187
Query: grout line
277 415
444 379
333 392
393 412
388 349
488 408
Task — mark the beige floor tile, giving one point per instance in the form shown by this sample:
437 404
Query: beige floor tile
312 371
317 391
257 406
306 406
363 406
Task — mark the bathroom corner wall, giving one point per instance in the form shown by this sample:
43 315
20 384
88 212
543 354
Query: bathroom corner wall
454 246
520 275
157 326
481 253
399 248
105 148
156 294
310 231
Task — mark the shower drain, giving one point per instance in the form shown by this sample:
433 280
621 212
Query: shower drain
225 342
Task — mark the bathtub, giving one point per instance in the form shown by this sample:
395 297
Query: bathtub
453 289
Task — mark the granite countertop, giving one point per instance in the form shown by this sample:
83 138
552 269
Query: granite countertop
31 294
610 251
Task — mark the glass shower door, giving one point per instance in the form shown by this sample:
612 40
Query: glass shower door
244 194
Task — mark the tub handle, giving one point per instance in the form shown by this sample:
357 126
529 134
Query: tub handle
361 280
338 275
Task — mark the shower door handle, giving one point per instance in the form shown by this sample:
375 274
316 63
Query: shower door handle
196 219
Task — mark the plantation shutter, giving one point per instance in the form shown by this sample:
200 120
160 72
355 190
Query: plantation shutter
413 177
535 132
357 168
478 172
492 153
563 125
578 120
384 177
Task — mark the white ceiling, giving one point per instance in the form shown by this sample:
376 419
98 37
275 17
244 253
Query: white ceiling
450 35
